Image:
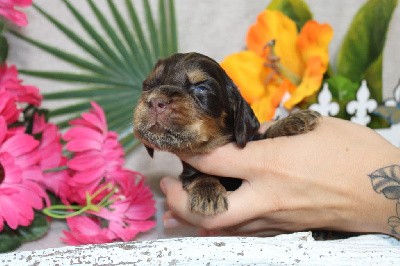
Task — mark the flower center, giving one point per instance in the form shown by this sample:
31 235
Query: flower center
2 174
273 62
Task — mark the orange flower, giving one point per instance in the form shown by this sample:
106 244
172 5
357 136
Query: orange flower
279 60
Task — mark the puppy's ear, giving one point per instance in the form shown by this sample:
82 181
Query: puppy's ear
150 151
245 123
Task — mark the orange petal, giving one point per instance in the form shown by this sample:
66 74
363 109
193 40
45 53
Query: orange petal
274 25
310 83
265 107
247 71
314 41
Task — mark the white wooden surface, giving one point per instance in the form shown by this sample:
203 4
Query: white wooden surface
292 249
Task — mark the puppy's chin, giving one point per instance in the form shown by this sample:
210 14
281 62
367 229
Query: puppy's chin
166 139
195 138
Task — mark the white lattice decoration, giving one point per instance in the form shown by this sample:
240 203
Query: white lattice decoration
396 97
359 109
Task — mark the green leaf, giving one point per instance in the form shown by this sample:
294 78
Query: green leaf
3 49
78 78
131 67
12 239
84 93
143 43
70 109
173 38
163 29
343 91
68 57
2 26
9 240
36 230
120 55
151 26
135 51
110 54
89 48
373 76
365 39
297 10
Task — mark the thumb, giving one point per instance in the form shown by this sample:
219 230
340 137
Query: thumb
177 198
241 207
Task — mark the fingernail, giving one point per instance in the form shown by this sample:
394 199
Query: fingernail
171 223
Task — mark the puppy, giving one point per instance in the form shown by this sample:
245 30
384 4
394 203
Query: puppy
189 104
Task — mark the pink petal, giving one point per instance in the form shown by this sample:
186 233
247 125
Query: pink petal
95 121
81 163
1 223
30 95
23 3
15 16
141 212
83 132
84 230
3 129
9 212
124 233
20 144
78 145
89 176
100 112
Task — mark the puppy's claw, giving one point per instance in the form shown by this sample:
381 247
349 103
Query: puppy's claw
207 196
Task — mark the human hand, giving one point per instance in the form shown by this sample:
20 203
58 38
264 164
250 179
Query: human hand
318 180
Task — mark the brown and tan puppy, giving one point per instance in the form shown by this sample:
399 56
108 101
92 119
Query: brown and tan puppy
190 105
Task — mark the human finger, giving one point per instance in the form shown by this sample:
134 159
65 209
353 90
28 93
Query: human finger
229 160
171 221
256 227
240 206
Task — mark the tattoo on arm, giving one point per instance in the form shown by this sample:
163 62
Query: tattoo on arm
387 181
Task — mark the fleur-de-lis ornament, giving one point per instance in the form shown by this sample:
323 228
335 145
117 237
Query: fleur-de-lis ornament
362 106
325 106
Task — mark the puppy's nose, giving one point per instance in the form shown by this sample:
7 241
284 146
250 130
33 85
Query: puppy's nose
159 105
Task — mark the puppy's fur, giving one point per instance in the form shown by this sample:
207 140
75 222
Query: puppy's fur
189 104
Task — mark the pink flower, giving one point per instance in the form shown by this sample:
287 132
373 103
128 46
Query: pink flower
51 158
123 219
8 107
130 212
19 193
7 10
85 230
97 152
21 93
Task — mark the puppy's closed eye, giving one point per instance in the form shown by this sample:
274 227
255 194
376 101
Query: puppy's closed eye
189 104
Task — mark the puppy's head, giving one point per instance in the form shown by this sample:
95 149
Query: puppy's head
188 103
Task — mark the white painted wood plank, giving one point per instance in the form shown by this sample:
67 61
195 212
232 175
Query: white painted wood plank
298 249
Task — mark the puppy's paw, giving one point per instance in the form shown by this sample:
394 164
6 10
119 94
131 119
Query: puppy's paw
296 123
207 196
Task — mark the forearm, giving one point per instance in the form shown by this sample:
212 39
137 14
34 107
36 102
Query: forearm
367 199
